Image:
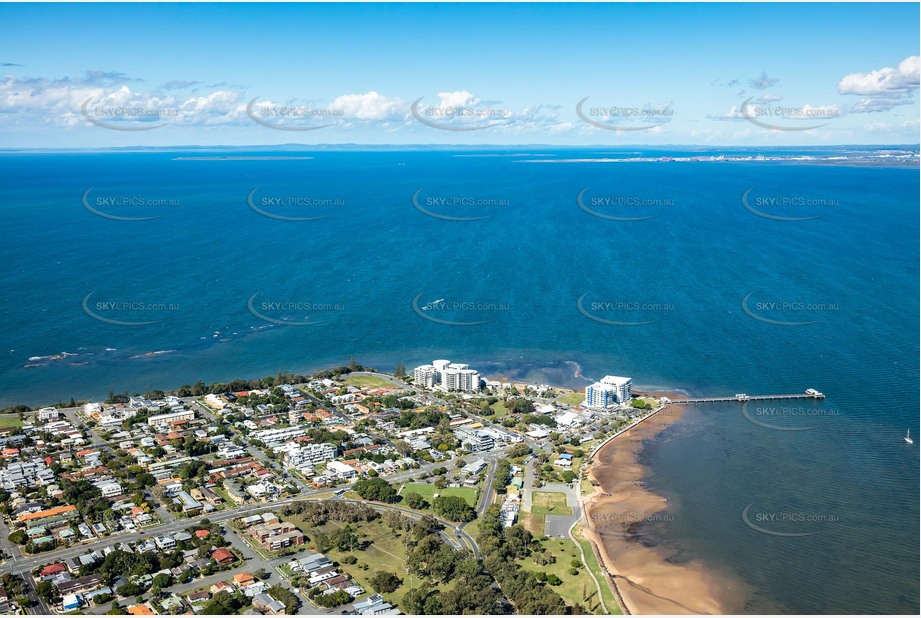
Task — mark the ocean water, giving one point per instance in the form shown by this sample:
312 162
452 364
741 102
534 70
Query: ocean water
809 280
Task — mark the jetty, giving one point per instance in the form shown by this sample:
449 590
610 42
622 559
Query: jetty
809 393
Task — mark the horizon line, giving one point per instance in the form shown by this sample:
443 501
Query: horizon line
916 145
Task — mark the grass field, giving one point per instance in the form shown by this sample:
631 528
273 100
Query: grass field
650 400
533 523
9 420
367 382
499 408
575 588
428 492
549 503
571 399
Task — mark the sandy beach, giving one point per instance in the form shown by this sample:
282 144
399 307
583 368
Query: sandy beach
645 580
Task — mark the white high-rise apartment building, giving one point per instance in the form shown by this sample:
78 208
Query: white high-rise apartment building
609 392
448 376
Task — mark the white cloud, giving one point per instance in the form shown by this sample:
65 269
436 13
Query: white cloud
458 98
883 89
370 106
30 100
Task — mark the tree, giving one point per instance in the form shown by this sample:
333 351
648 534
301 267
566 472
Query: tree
519 405
402 447
518 541
19 537
415 501
385 582
453 508
45 590
222 603
129 590
519 450
503 476
287 598
553 580
376 489
347 539
340 597
414 600
400 371
162 580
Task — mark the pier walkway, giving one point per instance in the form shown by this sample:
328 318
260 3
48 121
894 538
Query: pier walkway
808 394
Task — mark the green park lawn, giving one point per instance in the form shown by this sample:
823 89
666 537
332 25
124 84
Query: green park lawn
367 382
549 503
571 399
428 492
9 420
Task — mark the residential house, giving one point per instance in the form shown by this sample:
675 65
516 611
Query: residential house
71 602
223 556
80 585
198 597
235 492
221 586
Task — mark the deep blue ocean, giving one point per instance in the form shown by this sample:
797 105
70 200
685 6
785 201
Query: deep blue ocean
717 277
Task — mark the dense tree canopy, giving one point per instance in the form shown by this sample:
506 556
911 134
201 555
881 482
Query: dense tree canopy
385 582
415 501
376 489
453 508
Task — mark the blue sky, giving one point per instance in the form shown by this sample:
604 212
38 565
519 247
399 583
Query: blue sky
77 75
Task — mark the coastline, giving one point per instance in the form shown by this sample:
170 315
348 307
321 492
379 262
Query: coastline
644 577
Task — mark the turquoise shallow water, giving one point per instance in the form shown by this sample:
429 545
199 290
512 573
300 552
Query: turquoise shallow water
678 279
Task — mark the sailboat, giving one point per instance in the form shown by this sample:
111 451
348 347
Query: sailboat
908 437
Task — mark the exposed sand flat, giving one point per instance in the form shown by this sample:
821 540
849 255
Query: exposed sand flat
645 581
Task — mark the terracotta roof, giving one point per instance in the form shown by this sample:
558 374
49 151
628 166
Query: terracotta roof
58 510
243 578
53 569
